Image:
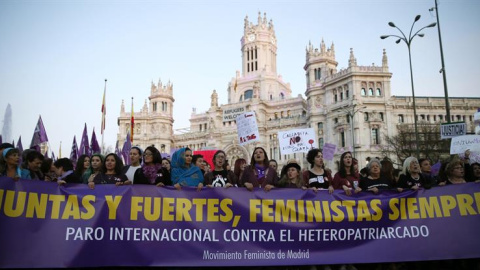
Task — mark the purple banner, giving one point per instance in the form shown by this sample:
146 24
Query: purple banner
44 225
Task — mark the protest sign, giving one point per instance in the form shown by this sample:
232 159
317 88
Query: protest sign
296 140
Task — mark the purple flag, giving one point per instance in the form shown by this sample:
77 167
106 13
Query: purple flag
74 152
84 146
39 135
53 157
19 144
94 147
1 139
127 146
117 151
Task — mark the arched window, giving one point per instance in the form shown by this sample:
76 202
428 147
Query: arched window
282 96
365 116
381 116
375 136
379 92
341 95
363 92
248 94
347 94
400 118
370 91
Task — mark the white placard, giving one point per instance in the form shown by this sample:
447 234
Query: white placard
296 140
461 144
247 128
451 130
232 113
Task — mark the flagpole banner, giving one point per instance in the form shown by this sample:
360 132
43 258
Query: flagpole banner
329 151
247 128
46 225
296 140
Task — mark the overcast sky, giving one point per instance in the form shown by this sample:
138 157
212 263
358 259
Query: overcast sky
55 55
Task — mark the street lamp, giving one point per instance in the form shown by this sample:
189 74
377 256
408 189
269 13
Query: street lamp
351 114
408 41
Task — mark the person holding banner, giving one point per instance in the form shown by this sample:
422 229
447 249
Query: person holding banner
11 167
411 177
135 160
184 173
32 164
346 178
317 177
152 172
111 173
81 169
292 177
64 170
96 165
259 173
238 169
455 172
220 176
374 182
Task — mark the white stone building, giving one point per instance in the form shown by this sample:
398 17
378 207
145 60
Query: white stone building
363 92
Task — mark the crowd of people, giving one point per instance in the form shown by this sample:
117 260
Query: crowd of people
147 167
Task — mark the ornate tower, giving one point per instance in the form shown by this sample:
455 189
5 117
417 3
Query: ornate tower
259 64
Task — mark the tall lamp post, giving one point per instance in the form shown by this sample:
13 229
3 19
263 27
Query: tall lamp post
408 41
443 71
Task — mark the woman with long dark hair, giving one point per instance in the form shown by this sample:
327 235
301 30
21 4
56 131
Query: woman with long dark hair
111 173
82 166
259 173
96 167
346 178
152 171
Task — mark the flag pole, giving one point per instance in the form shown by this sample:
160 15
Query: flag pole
103 116
132 124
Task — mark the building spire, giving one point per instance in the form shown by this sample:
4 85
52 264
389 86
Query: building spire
384 59
352 61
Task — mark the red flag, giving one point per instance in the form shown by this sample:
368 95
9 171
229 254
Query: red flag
104 108
132 124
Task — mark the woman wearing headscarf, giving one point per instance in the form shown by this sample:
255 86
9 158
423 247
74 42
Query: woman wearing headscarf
152 171
184 173
259 173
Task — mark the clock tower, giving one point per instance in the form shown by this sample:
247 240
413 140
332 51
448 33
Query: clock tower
258 79
259 47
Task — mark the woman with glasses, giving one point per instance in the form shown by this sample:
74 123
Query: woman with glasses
184 173
455 172
220 176
152 171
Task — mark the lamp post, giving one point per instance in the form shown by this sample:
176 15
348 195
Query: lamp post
408 41
443 71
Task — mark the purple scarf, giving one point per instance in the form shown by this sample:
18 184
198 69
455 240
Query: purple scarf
260 171
151 172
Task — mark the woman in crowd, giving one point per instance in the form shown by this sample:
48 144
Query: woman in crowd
259 173
317 177
220 176
152 171
111 172
135 160
387 171
411 177
274 165
239 168
81 169
426 170
64 170
475 172
198 161
292 177
374 182
33 163
11 167
96 167
167 164
184 173
455 172
283 171
48 170
346 178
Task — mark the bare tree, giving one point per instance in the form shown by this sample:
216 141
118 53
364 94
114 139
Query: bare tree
403 144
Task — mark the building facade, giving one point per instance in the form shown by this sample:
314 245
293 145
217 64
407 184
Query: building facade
352 108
